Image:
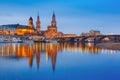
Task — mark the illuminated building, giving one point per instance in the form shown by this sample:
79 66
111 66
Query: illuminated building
38 24
13 29
91 33
23 30
16 29
30 24
51 31
31 29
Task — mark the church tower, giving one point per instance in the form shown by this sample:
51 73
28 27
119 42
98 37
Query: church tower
30 23
53 22
38 24
52 29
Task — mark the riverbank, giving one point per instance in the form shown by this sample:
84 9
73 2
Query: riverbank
109 45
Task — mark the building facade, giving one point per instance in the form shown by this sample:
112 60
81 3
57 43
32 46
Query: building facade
16 29
91 33
22 30
38 24
52 31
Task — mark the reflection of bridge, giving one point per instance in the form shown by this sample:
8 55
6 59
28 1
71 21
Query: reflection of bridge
99 38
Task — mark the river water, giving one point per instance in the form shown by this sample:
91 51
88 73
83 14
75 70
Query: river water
58 61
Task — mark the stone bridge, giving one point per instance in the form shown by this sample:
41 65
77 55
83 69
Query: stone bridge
97 39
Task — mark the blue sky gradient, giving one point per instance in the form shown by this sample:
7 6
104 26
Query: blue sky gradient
73 16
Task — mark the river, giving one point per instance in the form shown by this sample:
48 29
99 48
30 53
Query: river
58 61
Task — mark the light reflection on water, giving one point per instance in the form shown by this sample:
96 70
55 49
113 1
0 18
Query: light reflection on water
51 52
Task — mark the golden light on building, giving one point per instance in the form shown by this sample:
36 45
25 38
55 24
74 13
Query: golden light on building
21 31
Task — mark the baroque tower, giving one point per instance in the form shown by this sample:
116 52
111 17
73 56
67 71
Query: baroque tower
38 24
30 23
52 29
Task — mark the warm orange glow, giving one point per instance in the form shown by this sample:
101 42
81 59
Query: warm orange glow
13 48
2 50
21 31
50 50
18 49
8 50
46 56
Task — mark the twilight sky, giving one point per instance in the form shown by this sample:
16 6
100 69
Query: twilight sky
73 16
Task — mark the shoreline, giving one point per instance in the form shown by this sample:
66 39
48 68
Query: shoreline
109 45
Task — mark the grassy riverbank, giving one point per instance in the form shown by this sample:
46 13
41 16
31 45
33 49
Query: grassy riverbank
109 45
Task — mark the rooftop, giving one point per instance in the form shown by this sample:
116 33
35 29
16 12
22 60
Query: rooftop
13 26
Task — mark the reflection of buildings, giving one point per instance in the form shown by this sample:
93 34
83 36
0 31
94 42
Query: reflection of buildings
37 51
51 50
90 48
29 51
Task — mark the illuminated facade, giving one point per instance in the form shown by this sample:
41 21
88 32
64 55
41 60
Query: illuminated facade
30 24
13 29
51 31
16 29
38 24
91 33
22 30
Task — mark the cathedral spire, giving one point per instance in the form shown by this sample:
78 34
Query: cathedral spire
53 17
38 19
38 24
53 20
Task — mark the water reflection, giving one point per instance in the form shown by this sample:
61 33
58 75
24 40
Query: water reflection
23 50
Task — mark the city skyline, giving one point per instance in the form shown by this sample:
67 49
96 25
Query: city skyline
77 16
